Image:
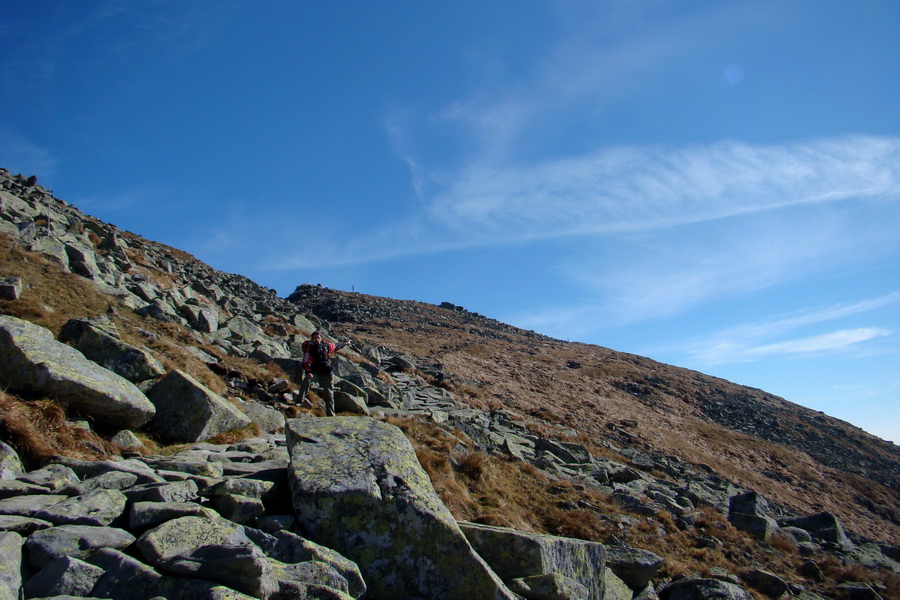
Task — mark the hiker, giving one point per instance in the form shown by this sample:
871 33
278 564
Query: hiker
317 366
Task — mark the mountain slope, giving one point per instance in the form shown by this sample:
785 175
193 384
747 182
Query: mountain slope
801 458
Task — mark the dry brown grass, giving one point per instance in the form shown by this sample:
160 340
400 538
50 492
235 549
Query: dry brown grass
50 296
38 430
486 489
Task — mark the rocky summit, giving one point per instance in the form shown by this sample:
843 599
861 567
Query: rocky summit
154 444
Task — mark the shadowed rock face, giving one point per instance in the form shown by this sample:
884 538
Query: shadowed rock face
32 361
358 488
187 411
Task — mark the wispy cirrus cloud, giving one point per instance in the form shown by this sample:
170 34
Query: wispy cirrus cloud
776 337
632 189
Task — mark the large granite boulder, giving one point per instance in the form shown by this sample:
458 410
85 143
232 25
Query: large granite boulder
358 488
33 362
187 411
516 554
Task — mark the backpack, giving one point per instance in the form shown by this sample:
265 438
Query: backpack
318 354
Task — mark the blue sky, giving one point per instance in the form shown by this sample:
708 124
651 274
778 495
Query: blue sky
712 184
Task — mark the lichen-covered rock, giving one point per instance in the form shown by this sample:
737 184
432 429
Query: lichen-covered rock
10 288
52 477
63 576
99 507
549 587
614 587
32 361
10 565
268 419
187 411
766 582
10 463
513 554
289 548
76 541
749 512
824 527
635 566
347 403
213 549
357 487
102 345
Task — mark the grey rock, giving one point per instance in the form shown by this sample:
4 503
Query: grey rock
691 588
345 403
127 440
113 480
100 508
749 503
10 463
243 568
52 477
179 491
211 549
310 572
238 508
858 591
358 488
145 515
766 582
550 586
253 488
798 535
759 527
614 587
289 548
63 576
32 361
103 346
88 469
13 487
268 419
76 541
24 526
187 411
10 565
634 566
242 329
10 288
824 527
27 506
513 554
178 537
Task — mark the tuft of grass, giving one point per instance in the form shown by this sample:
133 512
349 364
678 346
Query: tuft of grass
38 430
235 435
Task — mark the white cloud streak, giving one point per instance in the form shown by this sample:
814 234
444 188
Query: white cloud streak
648 188
751 342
